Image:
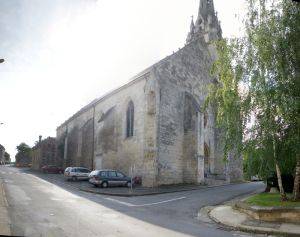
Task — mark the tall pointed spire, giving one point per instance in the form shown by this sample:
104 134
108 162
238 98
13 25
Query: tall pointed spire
206 9
192 27
207 24
192 30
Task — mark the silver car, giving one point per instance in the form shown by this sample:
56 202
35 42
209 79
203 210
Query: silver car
77 173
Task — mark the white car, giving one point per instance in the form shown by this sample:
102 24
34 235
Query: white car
77 173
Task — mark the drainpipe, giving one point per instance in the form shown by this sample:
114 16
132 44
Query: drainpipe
93 145
66 147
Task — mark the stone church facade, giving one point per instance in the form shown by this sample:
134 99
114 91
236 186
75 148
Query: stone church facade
154 126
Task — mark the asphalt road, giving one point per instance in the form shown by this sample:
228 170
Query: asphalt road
46 205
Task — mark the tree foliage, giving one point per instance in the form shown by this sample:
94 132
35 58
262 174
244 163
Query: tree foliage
257 96
23 148
24 153
7 157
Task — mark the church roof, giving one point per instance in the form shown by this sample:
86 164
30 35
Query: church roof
132 81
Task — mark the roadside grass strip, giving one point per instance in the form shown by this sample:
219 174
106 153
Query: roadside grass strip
270 200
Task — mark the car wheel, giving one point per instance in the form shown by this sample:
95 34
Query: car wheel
104 184
128 184
74 178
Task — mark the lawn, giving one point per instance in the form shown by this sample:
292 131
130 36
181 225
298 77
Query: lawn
270 200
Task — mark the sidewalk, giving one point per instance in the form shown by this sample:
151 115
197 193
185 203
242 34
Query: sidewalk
4 219
142 191
139 191
227 216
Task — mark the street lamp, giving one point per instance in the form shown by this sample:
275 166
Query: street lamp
1 60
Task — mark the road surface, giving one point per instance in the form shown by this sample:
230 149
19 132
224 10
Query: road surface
46 205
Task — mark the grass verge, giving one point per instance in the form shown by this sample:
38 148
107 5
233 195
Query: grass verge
270 200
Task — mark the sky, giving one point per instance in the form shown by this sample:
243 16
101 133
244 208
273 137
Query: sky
62 54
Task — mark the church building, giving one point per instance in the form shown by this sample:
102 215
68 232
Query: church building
154 126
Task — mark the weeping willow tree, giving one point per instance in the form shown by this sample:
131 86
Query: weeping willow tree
257 95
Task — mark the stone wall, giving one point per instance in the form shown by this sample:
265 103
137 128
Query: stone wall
150 164
44 153
186 72
113 148
2 152
75 138
98 132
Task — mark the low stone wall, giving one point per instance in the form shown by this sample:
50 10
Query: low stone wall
272 214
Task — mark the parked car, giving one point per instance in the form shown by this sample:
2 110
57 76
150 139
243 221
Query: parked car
52 169
255 178
77 173
106 178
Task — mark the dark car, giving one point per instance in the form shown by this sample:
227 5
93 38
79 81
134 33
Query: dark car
106 178
53 169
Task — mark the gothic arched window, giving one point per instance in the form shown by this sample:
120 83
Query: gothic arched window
205 118
130 119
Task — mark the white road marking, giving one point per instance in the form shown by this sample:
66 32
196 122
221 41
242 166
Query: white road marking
120 202
3 172
144 205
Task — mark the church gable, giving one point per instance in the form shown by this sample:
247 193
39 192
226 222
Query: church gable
189 67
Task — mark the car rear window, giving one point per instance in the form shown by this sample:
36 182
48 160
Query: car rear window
85 171
120 175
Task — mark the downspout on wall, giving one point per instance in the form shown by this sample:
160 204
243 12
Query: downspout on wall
93 145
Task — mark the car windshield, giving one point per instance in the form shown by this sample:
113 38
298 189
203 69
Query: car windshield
103 173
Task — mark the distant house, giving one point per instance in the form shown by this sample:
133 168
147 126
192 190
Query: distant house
2 157
44 153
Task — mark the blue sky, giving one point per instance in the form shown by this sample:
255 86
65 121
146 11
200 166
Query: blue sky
61 54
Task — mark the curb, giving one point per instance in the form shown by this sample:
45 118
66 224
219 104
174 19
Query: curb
155 192
249 229
136 194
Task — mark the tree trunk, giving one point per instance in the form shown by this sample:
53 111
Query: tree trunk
296 191
278 172
281 189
